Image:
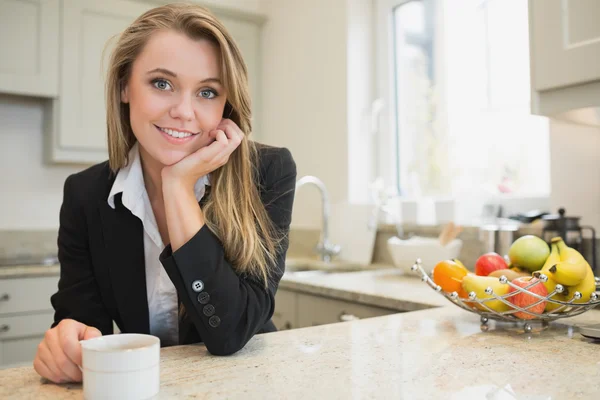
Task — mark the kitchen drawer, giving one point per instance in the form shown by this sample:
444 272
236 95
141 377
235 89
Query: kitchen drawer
316 310
18 352
16 326
27 294
285 314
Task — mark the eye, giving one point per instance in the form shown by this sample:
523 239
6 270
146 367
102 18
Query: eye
208 94
161 84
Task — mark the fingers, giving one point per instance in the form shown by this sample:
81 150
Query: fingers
68 369
42 369
59 355
232 131
46 365
91 332
70 333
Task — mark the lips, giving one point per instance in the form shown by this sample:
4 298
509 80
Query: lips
174 136
176 133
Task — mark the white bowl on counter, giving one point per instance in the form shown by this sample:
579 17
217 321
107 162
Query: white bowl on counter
429 250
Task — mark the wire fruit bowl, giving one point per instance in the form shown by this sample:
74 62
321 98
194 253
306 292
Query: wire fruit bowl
565 309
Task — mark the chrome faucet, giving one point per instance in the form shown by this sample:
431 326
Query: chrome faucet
324 248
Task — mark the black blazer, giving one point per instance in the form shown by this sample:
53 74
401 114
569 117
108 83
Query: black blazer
102 274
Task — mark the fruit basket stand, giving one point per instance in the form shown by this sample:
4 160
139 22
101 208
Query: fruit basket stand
565 309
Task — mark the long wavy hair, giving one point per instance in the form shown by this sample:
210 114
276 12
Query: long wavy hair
234 211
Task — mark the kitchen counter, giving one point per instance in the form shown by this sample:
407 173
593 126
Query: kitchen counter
29 271
436 353
380 286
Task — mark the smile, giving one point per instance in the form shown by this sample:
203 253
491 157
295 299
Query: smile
175 133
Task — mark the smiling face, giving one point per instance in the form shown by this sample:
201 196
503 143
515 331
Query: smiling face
175 96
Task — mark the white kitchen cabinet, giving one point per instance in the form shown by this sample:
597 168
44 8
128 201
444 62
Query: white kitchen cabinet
285 315
29 33
299 310
316 310
565 42
77 121
565 59
25 315
78 116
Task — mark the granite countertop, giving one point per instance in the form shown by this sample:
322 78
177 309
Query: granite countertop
29 271
435 353
380 286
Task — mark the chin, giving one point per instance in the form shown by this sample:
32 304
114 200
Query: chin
170 157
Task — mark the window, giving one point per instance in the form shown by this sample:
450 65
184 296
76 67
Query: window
454 78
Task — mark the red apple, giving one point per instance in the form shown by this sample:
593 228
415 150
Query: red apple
488 263
524 300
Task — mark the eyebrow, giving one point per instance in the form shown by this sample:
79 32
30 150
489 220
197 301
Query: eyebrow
174 75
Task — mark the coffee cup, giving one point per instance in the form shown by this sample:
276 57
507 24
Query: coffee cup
122 366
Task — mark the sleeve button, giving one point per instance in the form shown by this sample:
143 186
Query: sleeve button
214 321
203 298
197 286
208 310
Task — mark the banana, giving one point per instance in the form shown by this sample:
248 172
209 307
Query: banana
569 274
553 258
586 288
509 273
567 253
478 284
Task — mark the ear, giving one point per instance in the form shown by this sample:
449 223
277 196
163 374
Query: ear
125 94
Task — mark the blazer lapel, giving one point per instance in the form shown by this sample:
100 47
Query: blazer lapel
124 243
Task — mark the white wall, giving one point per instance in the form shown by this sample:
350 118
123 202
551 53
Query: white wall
253 6
575 171
304 95
30 192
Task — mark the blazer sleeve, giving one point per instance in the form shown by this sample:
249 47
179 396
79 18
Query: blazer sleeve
228 309
78 295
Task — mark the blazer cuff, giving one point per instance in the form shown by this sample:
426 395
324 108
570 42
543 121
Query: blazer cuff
203 239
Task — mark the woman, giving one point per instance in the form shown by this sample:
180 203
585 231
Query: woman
183 232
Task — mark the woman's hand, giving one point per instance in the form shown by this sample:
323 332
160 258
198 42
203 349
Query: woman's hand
227 137
59 355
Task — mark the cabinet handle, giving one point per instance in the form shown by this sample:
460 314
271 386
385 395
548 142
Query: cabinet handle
4 328
345 317
287 326
5 297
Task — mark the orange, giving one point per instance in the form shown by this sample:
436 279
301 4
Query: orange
448 274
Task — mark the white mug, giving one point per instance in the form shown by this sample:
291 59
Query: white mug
122 366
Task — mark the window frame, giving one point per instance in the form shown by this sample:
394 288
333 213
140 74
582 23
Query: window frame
386 159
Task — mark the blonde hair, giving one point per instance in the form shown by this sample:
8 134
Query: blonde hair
234 211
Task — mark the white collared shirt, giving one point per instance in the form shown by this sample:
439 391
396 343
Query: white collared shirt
162 296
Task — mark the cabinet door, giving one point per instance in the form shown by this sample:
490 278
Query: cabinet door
29 31
18 352
27 294
565 42
79 116
285 314
316 310
20 336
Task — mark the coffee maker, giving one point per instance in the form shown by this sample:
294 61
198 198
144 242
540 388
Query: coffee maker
569 229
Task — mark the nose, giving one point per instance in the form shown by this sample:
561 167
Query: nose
183 108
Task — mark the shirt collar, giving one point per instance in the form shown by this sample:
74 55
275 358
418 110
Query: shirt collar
130 182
